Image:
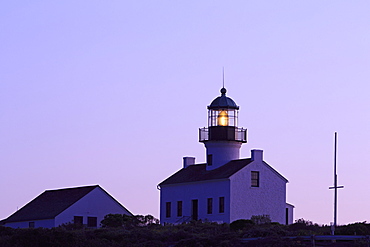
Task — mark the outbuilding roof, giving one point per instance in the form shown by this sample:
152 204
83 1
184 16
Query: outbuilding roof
51 203
197 173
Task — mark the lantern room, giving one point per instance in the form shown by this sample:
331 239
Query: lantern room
223 111
223 121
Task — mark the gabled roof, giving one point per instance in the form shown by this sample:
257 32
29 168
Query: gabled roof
50 204
197 173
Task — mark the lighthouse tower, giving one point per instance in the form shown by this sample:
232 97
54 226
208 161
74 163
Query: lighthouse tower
222 138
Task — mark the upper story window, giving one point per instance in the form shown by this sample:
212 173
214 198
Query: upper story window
209 159
255 179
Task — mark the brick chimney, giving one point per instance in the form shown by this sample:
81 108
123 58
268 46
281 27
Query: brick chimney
257 155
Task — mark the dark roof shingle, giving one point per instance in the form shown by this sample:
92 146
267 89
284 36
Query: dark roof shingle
196 173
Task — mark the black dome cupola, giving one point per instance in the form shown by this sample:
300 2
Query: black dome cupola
223 102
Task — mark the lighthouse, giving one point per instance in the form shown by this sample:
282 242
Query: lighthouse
226 187
222 138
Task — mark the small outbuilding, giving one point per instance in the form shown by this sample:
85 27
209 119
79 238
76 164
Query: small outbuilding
85 205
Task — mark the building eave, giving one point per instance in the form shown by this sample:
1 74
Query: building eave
193 182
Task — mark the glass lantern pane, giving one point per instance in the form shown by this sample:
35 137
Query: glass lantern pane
222 117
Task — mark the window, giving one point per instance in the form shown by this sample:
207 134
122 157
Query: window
209 205
78 220
168 209
179 208
286 216
31 224
221 205
255 179
92 221
209 159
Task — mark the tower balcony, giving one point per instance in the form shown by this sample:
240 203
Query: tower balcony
223 133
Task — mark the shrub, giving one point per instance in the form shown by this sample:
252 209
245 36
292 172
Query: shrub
261 219
241 224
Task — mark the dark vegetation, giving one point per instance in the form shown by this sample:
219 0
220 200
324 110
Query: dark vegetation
121 230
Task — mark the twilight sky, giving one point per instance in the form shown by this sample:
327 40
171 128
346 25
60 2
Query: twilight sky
113 93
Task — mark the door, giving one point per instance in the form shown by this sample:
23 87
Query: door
194 210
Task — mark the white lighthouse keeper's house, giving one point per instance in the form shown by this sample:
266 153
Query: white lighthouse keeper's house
226 188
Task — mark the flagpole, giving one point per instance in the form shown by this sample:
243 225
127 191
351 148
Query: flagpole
335 187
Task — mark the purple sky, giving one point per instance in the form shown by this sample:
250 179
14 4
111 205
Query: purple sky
113 93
